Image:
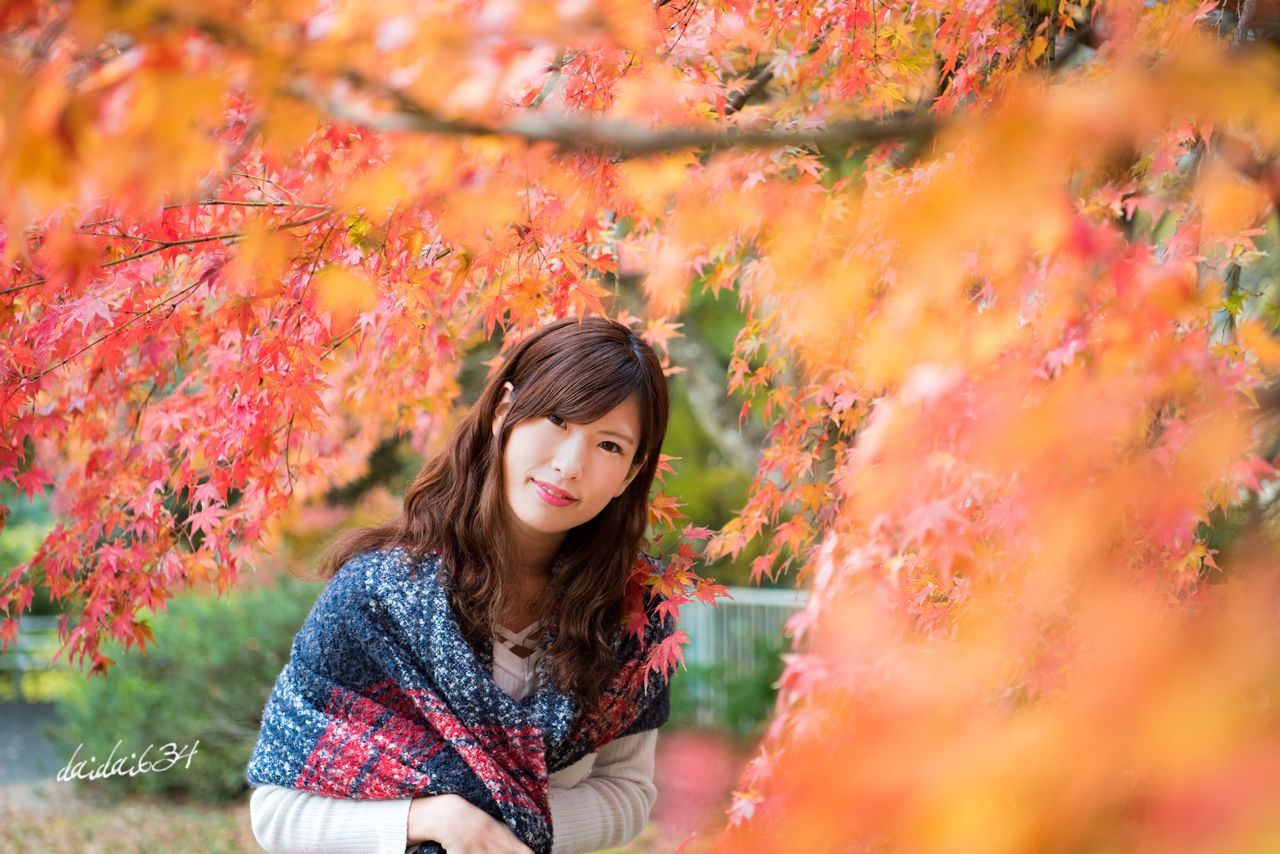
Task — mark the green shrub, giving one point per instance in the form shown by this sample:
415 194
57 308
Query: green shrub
205 680
737 705
28 523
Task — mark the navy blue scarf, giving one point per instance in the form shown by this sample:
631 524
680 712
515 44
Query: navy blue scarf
383 698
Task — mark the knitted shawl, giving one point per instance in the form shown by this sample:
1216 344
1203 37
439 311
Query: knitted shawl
384 698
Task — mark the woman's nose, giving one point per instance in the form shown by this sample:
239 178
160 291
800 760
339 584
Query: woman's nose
568 458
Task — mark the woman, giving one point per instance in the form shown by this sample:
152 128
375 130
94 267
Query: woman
466 679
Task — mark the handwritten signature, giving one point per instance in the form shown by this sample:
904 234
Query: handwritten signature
170 755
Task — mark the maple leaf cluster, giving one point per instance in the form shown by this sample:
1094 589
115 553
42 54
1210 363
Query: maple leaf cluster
1005 324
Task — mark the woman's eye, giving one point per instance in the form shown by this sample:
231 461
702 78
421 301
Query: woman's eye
556 420
611 447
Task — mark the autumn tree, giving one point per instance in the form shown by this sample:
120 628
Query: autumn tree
1010 315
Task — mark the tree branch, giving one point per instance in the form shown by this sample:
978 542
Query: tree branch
1085 34
622 138
704 381
1269 399
1247 8
738 101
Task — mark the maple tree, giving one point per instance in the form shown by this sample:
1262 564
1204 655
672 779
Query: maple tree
1009 320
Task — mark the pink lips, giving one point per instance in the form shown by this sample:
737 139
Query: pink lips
551 495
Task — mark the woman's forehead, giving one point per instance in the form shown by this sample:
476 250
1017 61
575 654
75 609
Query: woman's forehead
597 407
623 417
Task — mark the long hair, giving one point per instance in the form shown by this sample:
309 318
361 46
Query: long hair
456 506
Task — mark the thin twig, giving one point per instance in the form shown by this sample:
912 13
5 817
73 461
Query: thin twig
138 420
315 262
262 179
287 437
231 236
335 343
165 302
122 236
179 295
246 203
212 182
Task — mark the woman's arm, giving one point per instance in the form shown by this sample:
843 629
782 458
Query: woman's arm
286 821
611 806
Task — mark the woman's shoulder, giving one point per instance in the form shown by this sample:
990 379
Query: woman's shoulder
384 561
377 573
366 588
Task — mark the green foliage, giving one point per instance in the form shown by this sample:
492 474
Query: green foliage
710 490
740 704
1231 531
1252 283
712 487
391 463
25 528
206 679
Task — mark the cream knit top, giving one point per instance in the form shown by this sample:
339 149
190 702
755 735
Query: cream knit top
601 801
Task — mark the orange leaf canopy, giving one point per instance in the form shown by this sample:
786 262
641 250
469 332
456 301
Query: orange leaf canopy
1008 323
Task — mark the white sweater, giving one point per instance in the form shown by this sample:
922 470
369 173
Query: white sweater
601 801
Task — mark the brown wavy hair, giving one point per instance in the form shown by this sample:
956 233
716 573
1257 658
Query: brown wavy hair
580 369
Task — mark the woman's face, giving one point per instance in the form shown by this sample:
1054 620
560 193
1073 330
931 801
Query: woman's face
559 474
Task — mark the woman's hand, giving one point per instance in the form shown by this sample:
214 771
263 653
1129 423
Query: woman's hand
461 827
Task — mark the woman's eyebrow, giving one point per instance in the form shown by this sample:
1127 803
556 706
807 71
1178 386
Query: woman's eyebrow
626 437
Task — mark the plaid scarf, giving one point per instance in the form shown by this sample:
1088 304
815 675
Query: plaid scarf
383 698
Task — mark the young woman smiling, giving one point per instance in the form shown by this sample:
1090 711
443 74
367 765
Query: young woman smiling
465 681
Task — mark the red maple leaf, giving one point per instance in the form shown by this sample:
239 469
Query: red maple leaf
33 481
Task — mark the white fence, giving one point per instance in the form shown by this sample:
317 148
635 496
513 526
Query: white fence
731 641
36 643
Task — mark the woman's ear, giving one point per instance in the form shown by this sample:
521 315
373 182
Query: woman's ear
503 407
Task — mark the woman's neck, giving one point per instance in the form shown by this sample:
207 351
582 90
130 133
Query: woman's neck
522 601
533 552
532 555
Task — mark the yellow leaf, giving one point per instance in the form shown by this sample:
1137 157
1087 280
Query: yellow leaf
1037 48
1261 342
651 183
287 126
260 265
1230 202
344 295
